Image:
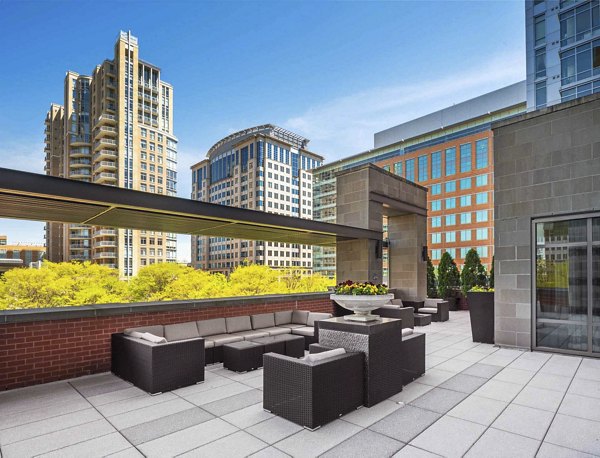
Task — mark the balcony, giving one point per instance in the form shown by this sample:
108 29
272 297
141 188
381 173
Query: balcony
105 255
78 140
111 107
79 152
104 165
77 246
80 173
106 119
105 233
105 177
105 154
105 244
105 131
104 142
80 235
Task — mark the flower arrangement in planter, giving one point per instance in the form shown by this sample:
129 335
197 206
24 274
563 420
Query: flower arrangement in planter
361 298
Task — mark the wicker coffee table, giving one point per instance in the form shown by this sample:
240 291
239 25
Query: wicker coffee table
242 356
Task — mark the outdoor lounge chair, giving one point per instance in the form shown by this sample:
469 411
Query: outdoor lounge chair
312 393
439 309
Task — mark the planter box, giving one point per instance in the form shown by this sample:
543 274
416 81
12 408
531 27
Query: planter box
481 310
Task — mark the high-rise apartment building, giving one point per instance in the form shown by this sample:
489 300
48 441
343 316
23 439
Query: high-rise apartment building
563 50
115 128
450 152
264 168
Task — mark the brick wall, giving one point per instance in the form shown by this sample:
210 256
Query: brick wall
33 352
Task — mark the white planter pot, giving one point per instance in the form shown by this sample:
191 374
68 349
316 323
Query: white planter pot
362 306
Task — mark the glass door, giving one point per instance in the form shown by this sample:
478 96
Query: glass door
567 285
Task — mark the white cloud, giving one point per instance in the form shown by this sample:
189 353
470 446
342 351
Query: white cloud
345 125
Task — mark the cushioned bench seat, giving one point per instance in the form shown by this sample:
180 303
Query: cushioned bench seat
277 330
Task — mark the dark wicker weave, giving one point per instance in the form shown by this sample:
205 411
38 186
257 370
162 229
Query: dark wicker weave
406 314
312 394
156 368
416 305
443 307
422 319
294 345
209 355
242 356
413 357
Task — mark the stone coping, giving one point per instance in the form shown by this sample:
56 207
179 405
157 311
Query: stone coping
103 310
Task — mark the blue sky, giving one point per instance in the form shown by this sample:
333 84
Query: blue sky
335 72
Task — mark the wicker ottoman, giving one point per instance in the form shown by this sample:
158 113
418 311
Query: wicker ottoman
242 356
294 345
273 344
422 319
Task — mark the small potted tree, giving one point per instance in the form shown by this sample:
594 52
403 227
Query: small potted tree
448 280
480 298
431 280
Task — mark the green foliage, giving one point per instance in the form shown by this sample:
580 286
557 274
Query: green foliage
358 289
65 284
491 279
481 289
473 272
448 276
431 280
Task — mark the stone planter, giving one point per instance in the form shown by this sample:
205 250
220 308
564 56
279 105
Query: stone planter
481 310
362 306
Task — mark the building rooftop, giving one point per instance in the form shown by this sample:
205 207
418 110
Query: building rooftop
489 103
474 400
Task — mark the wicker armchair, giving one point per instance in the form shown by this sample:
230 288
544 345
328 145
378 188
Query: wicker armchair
439 309
312 394
157 368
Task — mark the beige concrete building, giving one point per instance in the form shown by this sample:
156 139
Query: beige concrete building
264 168
115 128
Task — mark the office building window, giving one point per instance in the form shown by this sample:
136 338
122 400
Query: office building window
398 168
482 234
451 186
465 218
481 180
580 63
436 255
450 237
481 153
540 63
436 237
450 220
450 161
465 158
465 235
463 252
436 189
386 168
539 29
465 201
540 95
481 198
481 216
451 252
423 168
482 251
582 90
579 23
410 170
436 221
436 165
450 203
436 205
465 183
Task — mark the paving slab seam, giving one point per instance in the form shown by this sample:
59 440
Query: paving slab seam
558 408
76 443
115 428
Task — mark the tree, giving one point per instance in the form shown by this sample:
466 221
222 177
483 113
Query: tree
492 274
196 284
254 280
448 276
431 280
152 281
473 272
314 283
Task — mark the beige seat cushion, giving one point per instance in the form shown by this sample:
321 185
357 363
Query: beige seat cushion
407 332
211 327
254 334
277 330
263 320
283 318
428 310
305 331
238 323
291 326
222 339
181 331
157 330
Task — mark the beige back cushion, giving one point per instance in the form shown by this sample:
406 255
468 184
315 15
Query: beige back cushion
238 323
157 330
181 331
263 320
299 317
211 327
312 317
283 317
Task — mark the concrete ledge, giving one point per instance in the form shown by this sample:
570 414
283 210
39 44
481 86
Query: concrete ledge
103 310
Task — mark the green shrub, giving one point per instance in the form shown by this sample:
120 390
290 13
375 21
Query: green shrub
448 276
431 280
473 272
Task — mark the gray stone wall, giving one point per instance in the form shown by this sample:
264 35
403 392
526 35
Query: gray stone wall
545 163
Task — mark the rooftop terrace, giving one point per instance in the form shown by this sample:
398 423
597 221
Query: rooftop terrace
474 400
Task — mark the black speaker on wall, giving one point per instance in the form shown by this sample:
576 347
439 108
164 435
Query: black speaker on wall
424 253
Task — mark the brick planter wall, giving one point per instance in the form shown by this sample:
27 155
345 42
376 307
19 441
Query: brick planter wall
49 344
